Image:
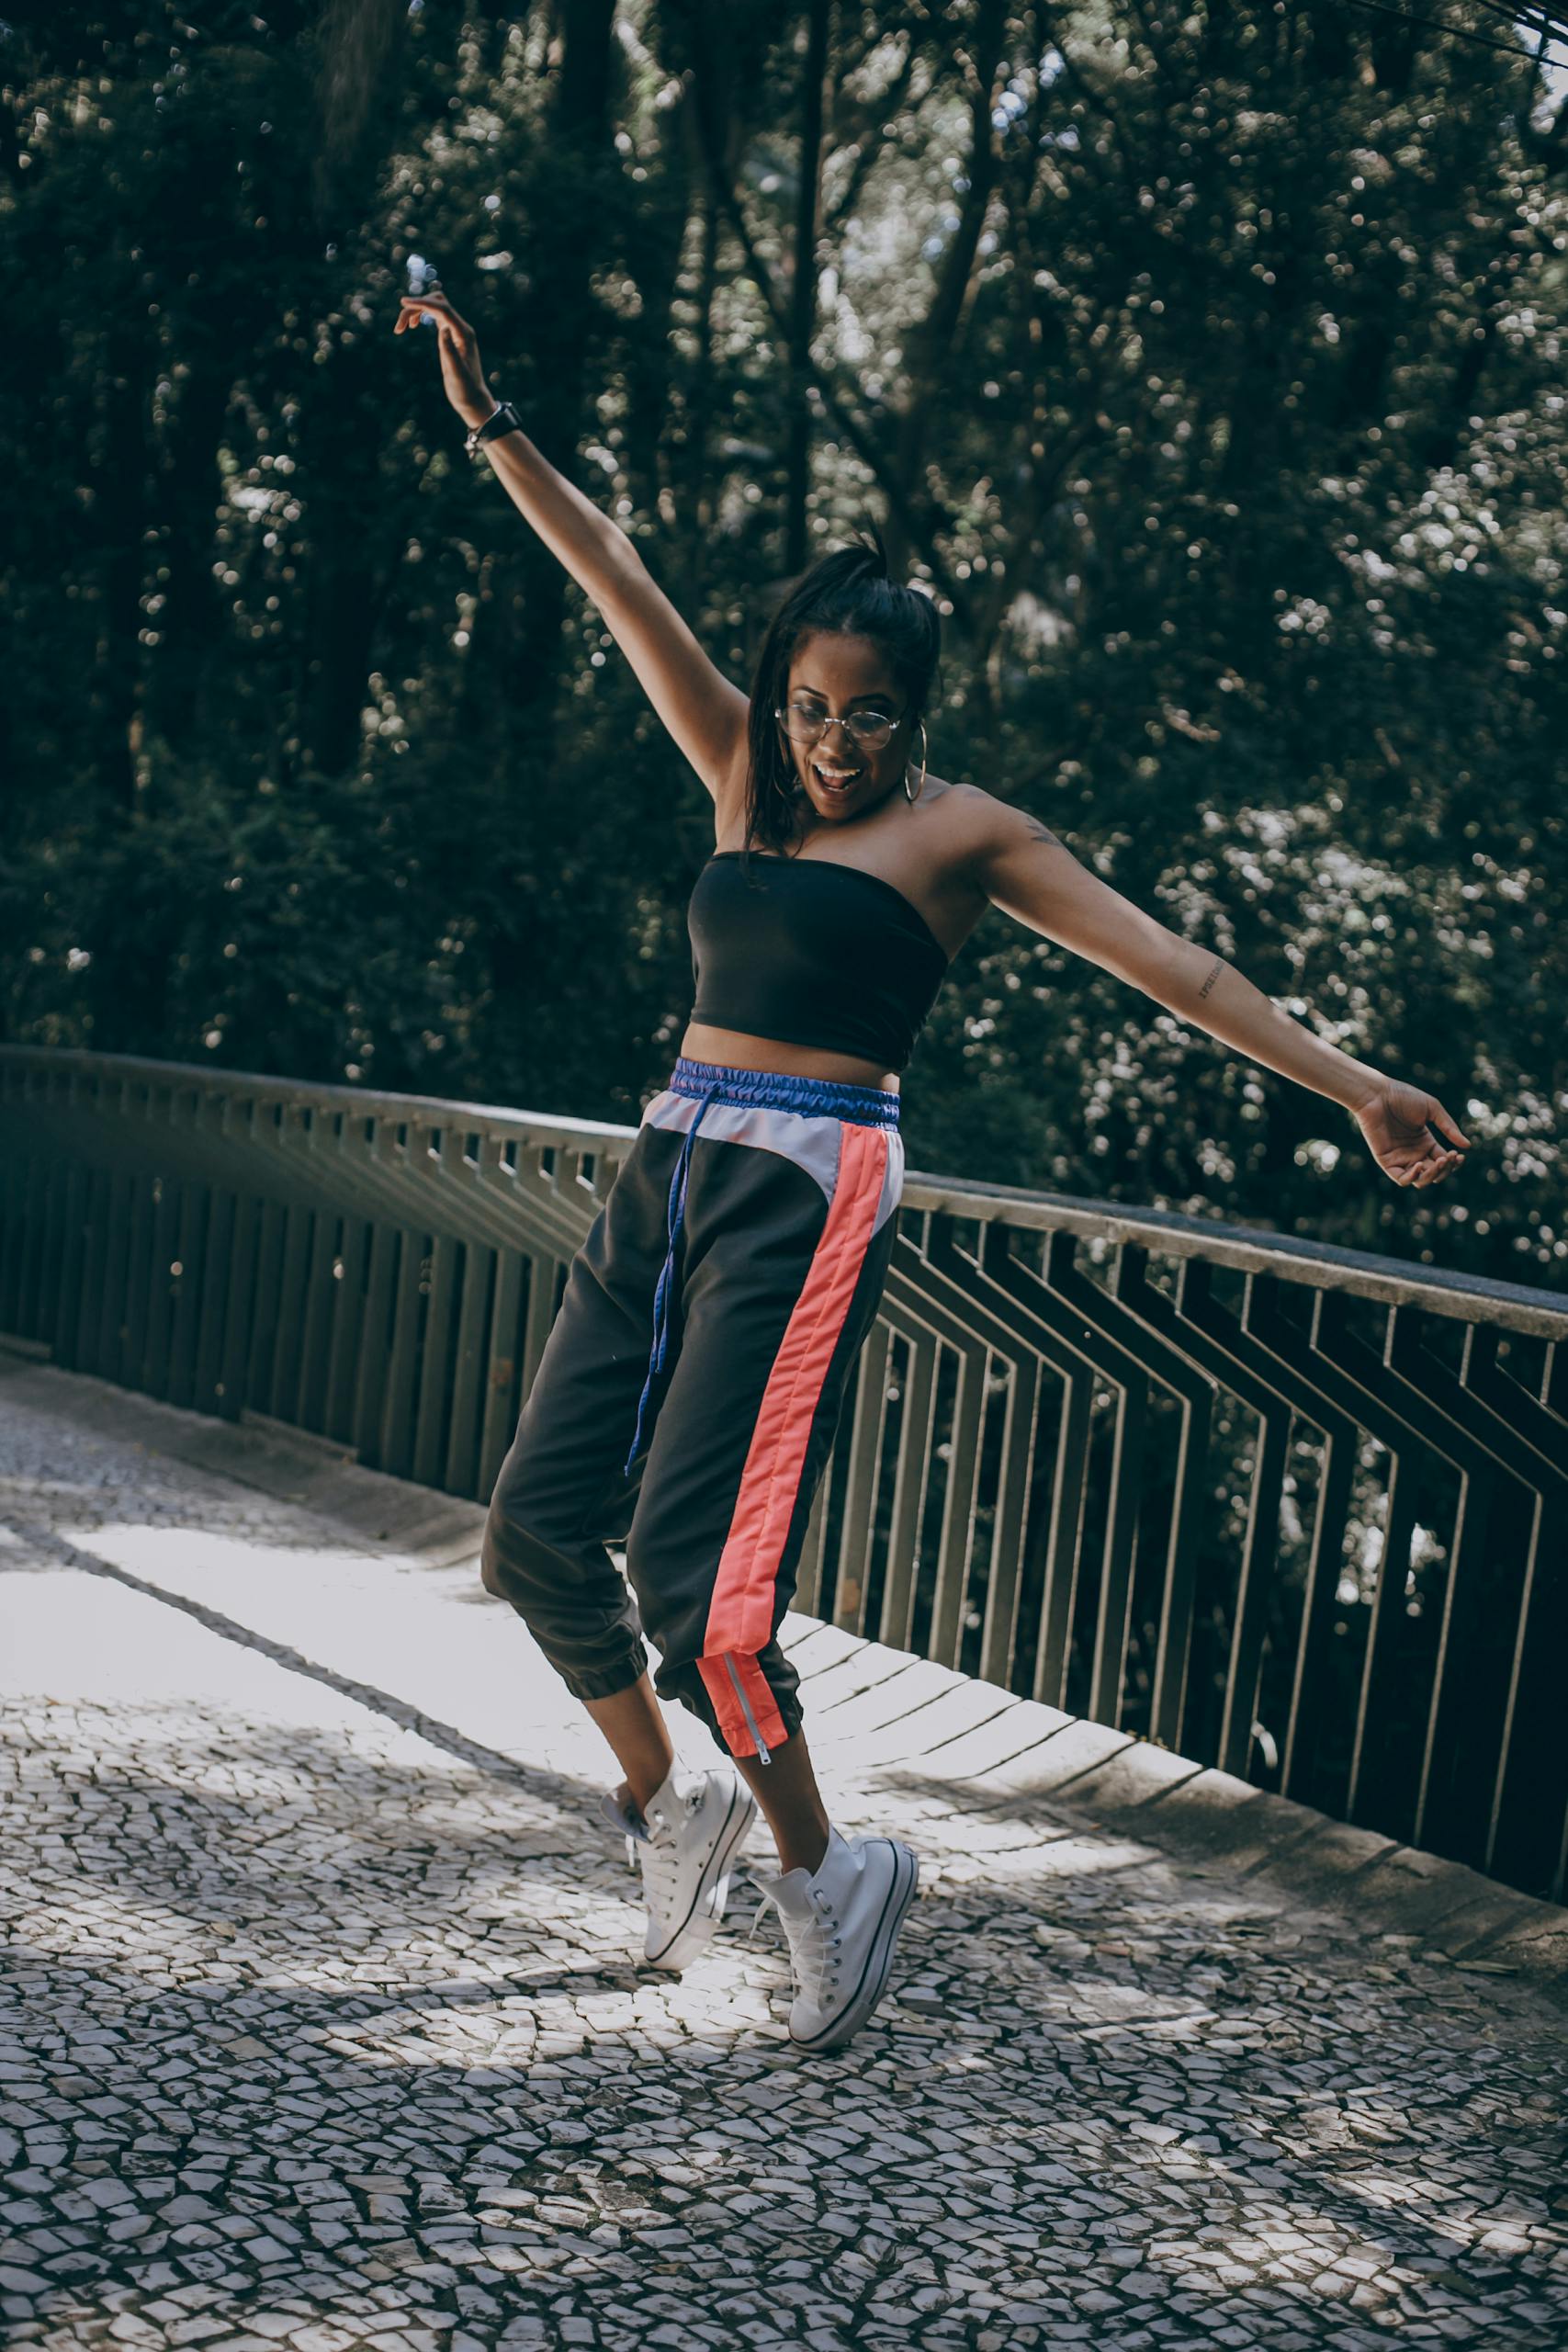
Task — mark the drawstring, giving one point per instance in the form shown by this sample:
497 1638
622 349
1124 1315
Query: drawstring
675 1218
770 1090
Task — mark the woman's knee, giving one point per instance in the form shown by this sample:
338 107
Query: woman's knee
491 1573
537 1553
521 1534
522 1541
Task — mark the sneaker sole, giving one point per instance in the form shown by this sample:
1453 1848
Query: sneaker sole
879 1960
698 1927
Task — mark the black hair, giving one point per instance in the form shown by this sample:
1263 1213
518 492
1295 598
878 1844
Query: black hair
847 594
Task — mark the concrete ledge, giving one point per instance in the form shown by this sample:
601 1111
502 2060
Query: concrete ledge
1065 1756
1225 1825
1414 1891
870 1711
29 1351
309 1440
294 1465
862 1670
991 1747
1224 1828
1535 1946
1468 1933
917 1736
1135 1776
813 1644
1319 1865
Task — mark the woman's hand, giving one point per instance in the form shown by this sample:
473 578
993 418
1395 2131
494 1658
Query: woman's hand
1394 1118
460 369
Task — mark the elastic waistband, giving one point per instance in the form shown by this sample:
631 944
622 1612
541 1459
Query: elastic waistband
864 1106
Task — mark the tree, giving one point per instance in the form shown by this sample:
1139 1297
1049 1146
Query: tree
1205 368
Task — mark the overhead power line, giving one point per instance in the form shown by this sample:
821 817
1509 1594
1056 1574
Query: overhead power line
1551 28
1552 24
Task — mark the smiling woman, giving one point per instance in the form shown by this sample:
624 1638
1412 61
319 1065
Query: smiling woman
714 1314
842 684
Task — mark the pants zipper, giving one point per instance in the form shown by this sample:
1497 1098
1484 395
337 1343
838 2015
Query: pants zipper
764 1756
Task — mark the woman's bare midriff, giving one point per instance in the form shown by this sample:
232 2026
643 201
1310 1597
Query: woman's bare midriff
733 1050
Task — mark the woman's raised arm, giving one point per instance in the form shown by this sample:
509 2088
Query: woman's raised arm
702 708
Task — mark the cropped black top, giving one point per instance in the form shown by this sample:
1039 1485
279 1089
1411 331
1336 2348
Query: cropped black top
812 953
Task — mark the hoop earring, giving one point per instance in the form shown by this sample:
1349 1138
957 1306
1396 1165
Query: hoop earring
789 792
912 796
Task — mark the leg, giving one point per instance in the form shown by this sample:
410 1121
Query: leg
633 1723
784 1271
563 1493
561 1497
781 1290
788 1791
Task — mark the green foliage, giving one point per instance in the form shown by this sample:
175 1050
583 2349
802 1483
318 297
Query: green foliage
1209 373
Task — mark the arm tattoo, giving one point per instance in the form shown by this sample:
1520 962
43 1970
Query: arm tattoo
1037 832
1213 975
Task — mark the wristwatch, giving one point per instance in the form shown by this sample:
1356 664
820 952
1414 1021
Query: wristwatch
504 418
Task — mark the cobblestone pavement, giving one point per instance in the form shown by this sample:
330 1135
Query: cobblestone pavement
321 2027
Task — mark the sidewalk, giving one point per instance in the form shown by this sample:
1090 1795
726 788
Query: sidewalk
322 2025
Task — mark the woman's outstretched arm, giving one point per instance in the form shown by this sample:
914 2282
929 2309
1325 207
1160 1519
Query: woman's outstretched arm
703 709
1027 872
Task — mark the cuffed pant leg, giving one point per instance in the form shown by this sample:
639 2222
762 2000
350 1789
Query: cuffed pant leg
783 1294
562 1496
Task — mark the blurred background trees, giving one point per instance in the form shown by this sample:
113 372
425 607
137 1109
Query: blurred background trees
1205 365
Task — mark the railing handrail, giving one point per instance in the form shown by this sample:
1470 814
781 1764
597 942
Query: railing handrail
1249 1249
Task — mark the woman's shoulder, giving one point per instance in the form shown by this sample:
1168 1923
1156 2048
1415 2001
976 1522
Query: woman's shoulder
962 824
974 825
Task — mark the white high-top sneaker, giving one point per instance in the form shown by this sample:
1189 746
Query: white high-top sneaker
842 1924
686 1843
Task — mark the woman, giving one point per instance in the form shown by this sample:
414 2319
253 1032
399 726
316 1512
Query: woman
687 1397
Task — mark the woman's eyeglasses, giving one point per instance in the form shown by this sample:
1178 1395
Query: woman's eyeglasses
871 728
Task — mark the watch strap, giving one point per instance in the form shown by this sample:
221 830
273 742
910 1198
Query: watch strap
504 418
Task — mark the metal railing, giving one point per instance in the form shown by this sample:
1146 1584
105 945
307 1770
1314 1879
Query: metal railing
1286 1509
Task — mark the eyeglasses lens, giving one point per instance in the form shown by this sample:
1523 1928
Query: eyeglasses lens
871 728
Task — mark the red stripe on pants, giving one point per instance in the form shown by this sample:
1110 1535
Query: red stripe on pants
741 1615
731 1715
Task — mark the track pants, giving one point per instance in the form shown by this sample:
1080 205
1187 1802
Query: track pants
690 1389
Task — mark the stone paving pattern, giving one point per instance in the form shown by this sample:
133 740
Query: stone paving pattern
321 2025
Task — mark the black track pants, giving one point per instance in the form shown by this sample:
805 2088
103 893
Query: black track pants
747 1236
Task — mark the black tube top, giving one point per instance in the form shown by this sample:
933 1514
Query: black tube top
812 953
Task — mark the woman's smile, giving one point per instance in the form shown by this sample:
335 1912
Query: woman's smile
841 691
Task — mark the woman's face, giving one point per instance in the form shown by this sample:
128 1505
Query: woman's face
844 678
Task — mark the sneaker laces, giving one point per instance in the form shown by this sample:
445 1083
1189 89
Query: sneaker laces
814 1944
659 1854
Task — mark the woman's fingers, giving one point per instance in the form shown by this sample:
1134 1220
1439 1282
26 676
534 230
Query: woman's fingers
1415 1139
1439 1160
435 306
1450 1126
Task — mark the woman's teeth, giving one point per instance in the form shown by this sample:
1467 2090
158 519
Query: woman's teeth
835 779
